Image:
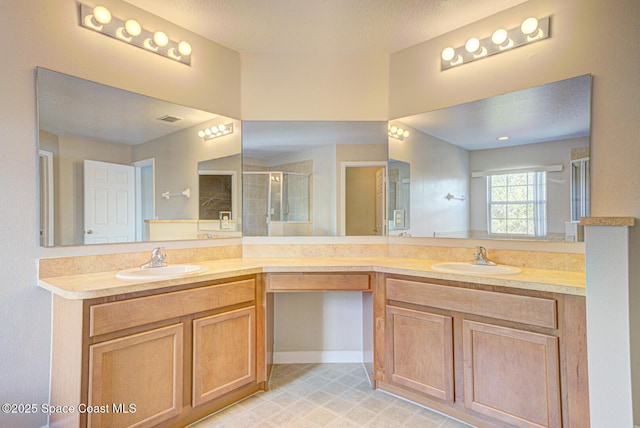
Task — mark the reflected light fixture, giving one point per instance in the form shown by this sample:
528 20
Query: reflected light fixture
397 132
216 131
531 30
130 31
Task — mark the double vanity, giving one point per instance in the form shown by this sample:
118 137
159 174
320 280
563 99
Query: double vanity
498 349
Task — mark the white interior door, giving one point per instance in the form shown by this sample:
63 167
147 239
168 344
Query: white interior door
109 203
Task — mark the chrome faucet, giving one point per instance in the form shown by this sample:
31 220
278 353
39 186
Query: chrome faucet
480 257
157 259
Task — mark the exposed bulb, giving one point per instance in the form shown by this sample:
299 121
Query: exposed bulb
101 15
160 39
132 27
184 48
472 45
530 28
499 36
448 53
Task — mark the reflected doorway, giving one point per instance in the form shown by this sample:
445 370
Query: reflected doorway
364 198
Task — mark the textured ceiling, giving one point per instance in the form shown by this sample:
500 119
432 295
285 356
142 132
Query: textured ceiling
339 27
556 111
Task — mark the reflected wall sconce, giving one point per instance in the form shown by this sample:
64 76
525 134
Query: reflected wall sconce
531 30
130 31
397 132
216 131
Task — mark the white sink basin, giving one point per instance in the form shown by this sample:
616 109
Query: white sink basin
165 272
471 269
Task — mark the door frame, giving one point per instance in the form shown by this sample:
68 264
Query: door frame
47 226
138 165
343 189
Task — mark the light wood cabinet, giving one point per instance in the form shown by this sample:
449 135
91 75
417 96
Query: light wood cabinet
304 282
136 379
511 375
488 356
224 356
160 359
420 351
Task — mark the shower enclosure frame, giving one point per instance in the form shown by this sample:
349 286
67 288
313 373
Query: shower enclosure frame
281 208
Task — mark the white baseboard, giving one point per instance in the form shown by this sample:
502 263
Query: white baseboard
307 357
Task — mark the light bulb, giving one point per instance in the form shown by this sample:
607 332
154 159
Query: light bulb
102 15
448 53
201 134
184 48
529 26
160 39
132 27
208 131
499 36
405 134
222 127
394 129
472 45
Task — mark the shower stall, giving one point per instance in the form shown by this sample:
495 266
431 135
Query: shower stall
276 203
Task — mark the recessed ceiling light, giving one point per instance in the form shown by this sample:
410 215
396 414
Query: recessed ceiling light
504 138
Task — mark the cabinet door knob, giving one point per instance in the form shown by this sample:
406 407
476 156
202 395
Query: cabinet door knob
88 232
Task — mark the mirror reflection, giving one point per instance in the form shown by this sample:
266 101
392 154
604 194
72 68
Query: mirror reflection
313 178
514 166
116 166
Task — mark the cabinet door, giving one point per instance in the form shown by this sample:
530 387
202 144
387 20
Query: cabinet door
223 353
136 380
420 351
511 375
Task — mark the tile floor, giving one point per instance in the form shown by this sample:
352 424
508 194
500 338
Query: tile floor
324 395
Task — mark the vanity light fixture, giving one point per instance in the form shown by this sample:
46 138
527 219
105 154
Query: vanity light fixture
130 31
397 132
531 30
216 131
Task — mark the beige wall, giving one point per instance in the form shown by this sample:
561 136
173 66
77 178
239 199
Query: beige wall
47 34
314 87
589 36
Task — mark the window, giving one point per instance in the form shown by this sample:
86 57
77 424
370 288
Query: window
517 204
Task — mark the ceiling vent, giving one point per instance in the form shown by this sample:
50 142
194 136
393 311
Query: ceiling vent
169 118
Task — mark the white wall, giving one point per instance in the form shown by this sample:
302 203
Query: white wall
69 199
315 327
540 154
437 168
36 33
176 165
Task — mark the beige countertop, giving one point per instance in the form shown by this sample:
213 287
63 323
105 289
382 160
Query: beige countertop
93 285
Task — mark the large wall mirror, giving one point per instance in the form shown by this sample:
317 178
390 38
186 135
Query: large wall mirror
116 166
321 178
515 166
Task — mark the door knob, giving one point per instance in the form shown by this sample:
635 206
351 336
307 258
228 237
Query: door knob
88 232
